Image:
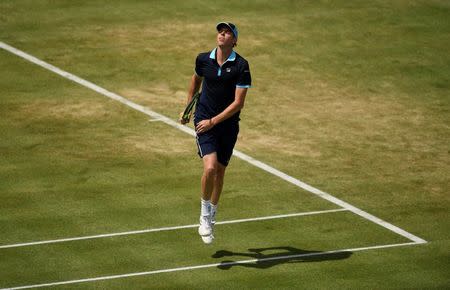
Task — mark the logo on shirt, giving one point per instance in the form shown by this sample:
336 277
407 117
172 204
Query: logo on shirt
228 69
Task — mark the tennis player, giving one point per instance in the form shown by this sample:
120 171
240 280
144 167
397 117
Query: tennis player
225 77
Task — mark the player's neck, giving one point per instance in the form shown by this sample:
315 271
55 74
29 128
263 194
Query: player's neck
222 54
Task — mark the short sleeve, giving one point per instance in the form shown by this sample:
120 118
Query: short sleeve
245 78
198 66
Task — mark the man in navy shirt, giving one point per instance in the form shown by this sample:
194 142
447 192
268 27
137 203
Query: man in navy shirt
225 77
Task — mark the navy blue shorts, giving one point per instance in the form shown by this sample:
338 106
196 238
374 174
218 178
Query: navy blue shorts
220 139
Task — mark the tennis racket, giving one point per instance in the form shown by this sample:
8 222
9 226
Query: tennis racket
186 117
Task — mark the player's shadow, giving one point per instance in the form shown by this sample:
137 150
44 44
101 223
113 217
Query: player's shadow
264 258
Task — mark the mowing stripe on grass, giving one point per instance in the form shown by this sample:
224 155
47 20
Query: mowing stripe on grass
169 228
222 264
236 153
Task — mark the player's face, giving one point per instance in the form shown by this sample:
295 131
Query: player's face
225 37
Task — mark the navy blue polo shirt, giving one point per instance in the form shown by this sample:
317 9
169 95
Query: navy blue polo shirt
220 83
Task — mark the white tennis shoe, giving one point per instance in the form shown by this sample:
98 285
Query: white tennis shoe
205 228
208 239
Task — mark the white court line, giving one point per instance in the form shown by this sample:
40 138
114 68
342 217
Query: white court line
236 153
287 257
169 228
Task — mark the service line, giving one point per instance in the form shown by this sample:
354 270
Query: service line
109 235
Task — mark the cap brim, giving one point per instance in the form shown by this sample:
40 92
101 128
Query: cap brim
225 24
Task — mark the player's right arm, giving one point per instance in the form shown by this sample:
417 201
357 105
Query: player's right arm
196 81
194 86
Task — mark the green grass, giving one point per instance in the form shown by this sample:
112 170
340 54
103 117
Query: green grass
350 97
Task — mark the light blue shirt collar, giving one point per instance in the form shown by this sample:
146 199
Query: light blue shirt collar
232 56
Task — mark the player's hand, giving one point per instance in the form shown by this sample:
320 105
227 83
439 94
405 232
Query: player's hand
204 126
183 120
190 108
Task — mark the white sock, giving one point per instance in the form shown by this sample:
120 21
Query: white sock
213 212
205 207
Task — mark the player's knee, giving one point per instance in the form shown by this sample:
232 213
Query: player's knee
220 171
210 170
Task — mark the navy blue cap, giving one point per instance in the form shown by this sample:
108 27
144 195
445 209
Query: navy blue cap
230 25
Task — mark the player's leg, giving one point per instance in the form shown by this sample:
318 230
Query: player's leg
217 190
206 143
210 165
226 143
218 183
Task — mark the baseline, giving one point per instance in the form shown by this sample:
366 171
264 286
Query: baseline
196 267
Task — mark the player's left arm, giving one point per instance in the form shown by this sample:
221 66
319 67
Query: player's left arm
233 108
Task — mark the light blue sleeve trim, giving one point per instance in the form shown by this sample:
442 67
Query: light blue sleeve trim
243 86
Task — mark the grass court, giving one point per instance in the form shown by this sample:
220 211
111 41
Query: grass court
347 123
